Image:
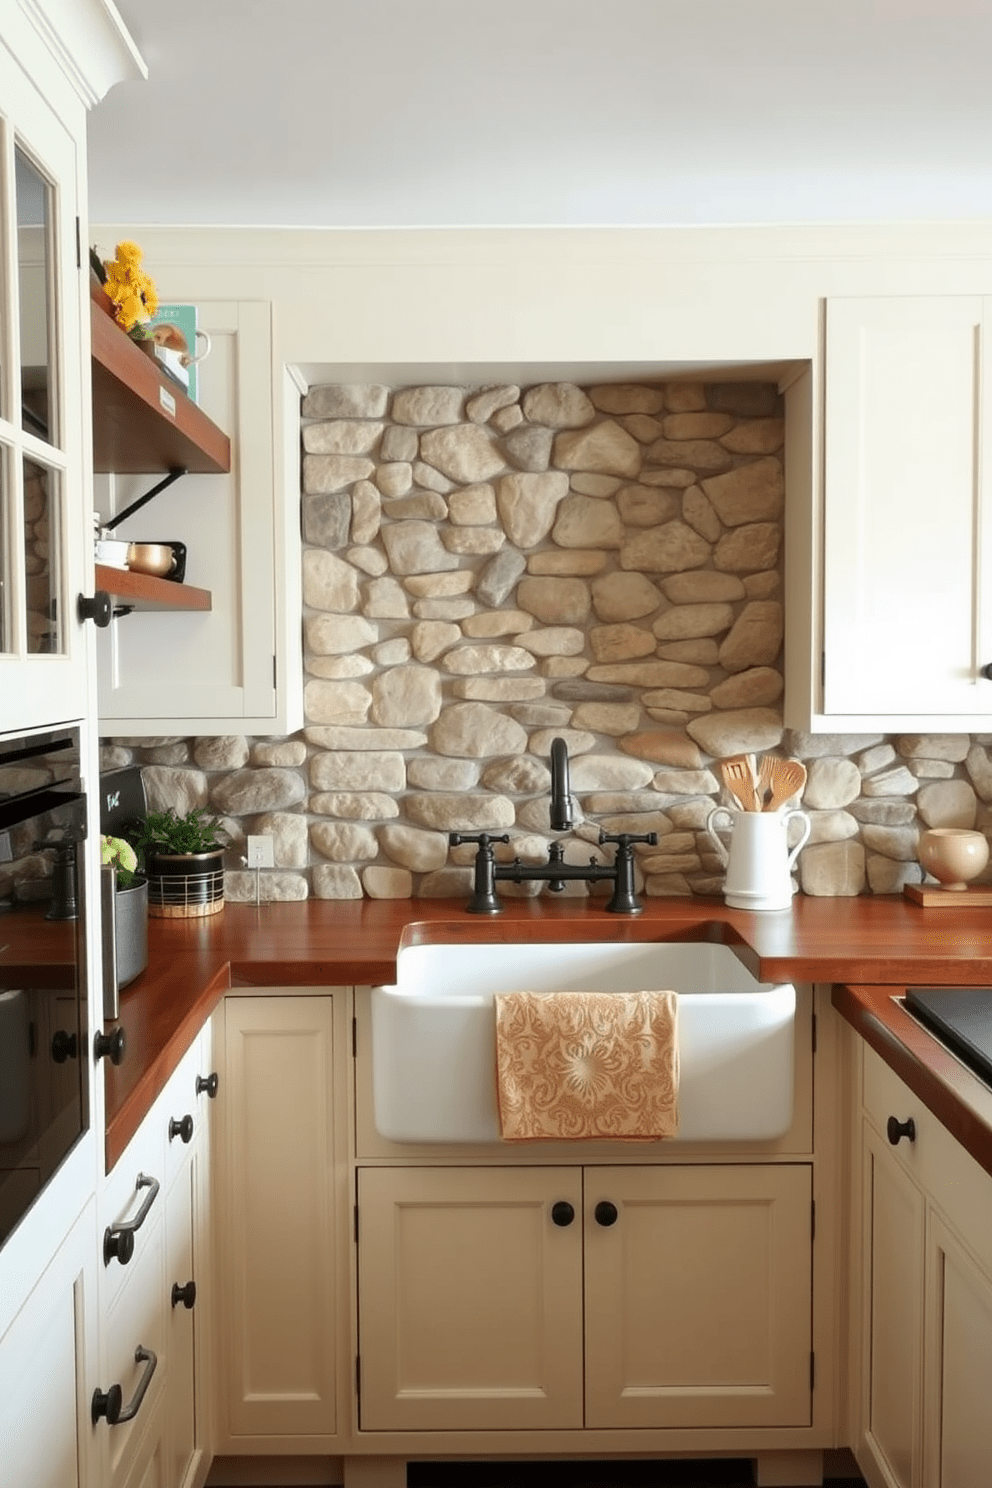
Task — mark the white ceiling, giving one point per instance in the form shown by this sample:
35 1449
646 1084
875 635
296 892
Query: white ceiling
392 113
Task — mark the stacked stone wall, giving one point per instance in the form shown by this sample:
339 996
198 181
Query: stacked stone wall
485 569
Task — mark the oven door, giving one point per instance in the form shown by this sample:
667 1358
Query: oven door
43 1021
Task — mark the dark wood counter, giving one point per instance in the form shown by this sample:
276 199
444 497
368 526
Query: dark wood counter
864 941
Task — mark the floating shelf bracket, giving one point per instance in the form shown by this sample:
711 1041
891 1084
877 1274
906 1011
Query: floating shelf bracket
166 481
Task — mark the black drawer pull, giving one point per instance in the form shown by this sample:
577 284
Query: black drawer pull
895 1130
118 1240
182 1129
562 1214
184 1294
108 1402
207 1084
605 1213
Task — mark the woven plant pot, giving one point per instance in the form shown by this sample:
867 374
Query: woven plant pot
184 886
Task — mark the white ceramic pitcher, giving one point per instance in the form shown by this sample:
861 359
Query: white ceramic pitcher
759 861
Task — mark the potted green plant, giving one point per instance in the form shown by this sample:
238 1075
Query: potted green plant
183 859
124 893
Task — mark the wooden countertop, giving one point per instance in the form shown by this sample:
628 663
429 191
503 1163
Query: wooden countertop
868 942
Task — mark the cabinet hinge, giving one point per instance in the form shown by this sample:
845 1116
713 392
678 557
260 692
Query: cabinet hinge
356 1224
813 1033
812 1371
823 668
812 1220
275 673
354 1038
358 1375
79 246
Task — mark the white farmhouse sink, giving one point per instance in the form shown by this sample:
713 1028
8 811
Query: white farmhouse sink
434 1034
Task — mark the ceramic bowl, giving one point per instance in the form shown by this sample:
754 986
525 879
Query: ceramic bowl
953 855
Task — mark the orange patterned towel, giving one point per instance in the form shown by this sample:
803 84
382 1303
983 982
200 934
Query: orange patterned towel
574 1065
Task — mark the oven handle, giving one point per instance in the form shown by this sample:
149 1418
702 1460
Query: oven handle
108 919
118 1240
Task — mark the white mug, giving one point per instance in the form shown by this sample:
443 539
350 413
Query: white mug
759 861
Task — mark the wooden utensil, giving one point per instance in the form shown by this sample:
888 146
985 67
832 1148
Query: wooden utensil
787 779
766 768
739 778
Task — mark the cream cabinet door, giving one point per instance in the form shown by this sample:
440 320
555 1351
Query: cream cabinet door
44 500
186 1310
893 1291
470 1298
907 624
48 1370
277 1242
698 1296
957 1365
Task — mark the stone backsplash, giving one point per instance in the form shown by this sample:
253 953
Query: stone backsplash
485 569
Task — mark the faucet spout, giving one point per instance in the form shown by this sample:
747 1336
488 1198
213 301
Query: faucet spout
561 799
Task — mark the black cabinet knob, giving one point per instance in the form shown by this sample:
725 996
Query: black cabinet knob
562 1214
184 1294
207 1084
986 671
605 1213
110 1046
182 1128
895 1130
96 607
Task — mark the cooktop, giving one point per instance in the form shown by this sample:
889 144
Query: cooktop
962 1018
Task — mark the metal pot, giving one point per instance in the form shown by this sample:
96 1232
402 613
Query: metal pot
151 558
166 560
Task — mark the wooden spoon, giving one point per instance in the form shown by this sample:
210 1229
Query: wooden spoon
787 779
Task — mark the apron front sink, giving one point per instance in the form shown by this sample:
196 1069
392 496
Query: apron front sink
433 1034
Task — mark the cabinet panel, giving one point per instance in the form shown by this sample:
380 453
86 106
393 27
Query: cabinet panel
278 1243
958 1365
182 1436
213 672
894 1220
469 1299
698 1297
906 541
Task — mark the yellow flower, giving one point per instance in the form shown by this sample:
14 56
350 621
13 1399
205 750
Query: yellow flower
130 289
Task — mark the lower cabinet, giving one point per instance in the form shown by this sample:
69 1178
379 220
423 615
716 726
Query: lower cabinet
150 1407
280 1214
926 1318
47 1362
561 1297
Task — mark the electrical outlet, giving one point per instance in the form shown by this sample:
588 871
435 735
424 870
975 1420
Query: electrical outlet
260 852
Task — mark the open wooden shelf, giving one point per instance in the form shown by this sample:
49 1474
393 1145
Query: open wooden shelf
147 592
143 422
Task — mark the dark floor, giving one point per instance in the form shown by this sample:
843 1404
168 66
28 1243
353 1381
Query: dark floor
709 1473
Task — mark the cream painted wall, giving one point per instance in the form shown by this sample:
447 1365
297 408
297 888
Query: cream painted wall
653 295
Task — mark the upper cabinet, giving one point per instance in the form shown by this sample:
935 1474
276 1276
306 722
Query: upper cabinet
220 661
902 627
42 492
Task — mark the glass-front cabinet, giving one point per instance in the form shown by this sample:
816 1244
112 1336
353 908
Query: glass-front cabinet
42 499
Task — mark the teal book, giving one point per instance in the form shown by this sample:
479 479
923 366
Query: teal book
173 328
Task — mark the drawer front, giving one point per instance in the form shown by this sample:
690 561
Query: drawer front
179 1109
137 1320
136 1185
